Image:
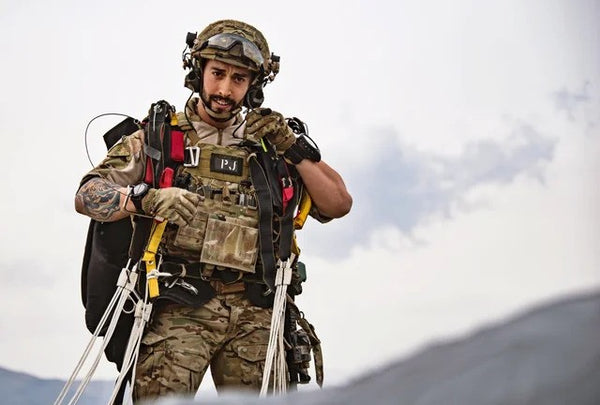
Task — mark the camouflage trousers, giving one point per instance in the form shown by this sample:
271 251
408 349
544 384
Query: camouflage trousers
228 333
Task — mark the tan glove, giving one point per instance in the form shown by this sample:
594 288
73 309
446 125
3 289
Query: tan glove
264 123
174 204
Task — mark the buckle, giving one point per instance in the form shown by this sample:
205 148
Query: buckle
222 288
192 156
247 200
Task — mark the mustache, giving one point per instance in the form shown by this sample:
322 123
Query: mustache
222 99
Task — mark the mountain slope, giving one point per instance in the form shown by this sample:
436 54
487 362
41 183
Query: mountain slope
23 389
549 355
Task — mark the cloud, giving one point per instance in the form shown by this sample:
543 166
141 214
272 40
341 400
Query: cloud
401 186
569 101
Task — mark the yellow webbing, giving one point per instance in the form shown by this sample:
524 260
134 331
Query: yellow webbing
150 257
174 120
303 210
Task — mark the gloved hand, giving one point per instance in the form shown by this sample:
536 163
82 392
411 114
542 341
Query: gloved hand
265 123
174 204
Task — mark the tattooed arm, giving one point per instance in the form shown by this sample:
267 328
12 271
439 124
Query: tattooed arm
102 200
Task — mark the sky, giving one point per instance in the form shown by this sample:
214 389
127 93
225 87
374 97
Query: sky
467 132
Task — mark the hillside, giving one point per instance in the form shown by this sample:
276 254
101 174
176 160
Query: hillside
548 355
23 389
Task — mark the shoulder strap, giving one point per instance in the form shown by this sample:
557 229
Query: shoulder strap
267 181
265 232
186 126
184 123
164 147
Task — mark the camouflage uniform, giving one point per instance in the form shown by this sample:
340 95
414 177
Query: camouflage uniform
228 332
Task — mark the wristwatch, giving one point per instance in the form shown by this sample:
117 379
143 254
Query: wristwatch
137 193
303 148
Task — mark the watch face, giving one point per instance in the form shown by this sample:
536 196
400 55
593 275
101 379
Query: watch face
140 189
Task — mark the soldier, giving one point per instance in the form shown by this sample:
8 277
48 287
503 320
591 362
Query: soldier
216 308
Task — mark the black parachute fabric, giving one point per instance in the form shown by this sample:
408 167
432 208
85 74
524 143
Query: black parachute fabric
105 255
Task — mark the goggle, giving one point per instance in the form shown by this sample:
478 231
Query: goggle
226 42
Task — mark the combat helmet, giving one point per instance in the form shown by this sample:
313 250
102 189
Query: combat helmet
236 43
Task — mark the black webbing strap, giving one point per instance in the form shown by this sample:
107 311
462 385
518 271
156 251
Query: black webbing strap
286 229
269 197
265 221
271 170
155 136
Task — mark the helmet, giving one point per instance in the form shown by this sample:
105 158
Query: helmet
236 43
233 42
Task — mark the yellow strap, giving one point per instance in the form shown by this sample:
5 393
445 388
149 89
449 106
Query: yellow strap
303 210
150 257
174 120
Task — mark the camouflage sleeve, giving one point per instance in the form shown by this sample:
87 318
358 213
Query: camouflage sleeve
124 163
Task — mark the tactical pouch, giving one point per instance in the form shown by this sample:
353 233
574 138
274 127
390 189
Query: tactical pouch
301 342
190 237
230 244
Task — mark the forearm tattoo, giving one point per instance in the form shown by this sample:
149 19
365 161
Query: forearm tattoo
101 198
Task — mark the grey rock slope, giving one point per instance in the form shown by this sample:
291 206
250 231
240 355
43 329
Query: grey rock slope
549 355
23 389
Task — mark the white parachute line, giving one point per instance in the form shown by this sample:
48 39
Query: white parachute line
137 352
275 349
146 312
142 315
88 349
125 285
109 332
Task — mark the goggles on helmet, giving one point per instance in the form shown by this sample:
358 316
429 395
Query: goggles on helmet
227 41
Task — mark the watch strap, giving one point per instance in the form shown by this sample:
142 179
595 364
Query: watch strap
137 194
302 149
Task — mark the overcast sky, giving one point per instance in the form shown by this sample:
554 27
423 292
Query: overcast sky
468 133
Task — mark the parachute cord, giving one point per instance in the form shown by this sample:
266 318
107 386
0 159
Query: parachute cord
143 310
111 328
88 349
125 284
275 359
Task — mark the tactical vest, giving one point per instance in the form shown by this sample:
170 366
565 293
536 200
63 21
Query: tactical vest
224 230
244 223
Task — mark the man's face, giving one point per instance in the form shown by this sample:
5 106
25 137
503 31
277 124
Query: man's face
225 85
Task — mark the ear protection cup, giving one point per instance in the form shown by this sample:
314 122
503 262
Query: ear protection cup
193 80
254 97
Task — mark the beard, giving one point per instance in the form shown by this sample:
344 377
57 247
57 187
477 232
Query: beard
220 108
220 104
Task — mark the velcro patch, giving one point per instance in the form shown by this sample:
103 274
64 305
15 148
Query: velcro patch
226 164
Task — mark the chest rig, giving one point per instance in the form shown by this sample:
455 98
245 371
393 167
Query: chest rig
244 222
224 231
